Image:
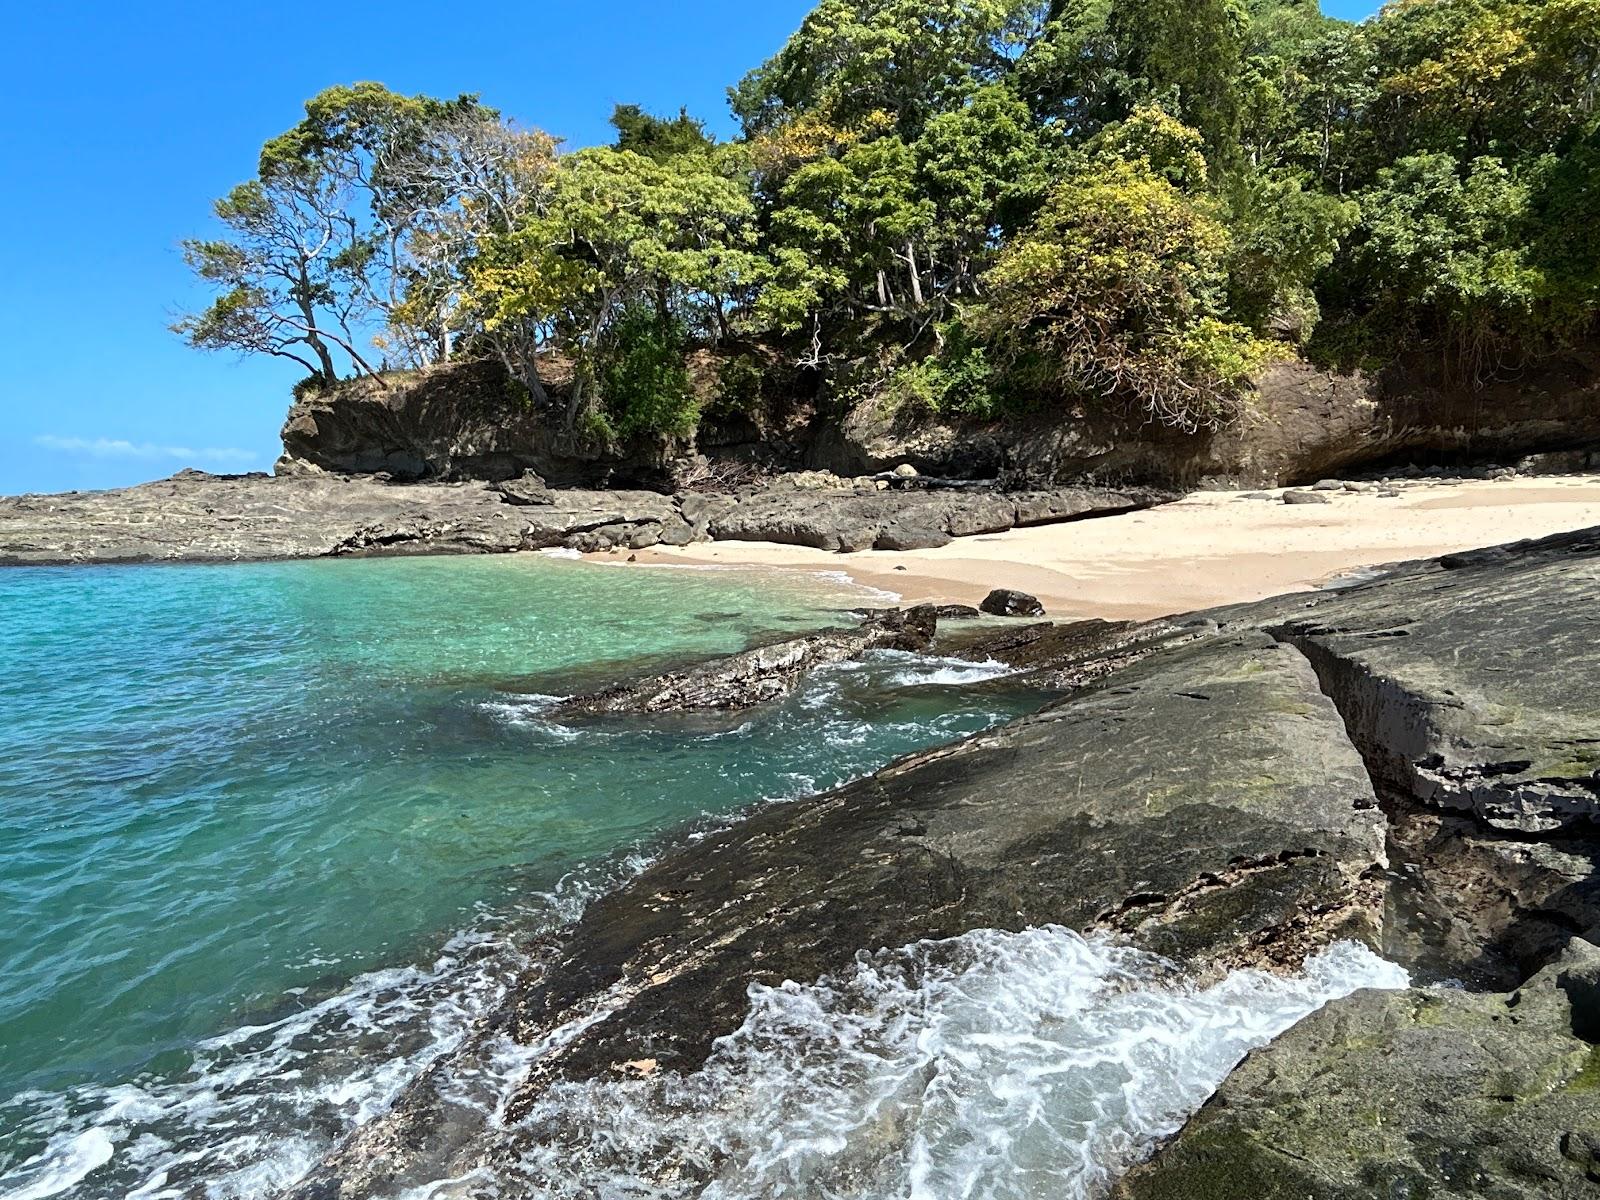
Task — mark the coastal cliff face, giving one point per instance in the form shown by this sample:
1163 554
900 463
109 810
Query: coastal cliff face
1301 424
1235 789
457 422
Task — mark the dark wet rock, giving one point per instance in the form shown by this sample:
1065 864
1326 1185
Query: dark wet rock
1473 688
1440 1094
1066 656
1198 793
848 521
1006 602
759 675
957 612
1294 497
1483 906
1201 804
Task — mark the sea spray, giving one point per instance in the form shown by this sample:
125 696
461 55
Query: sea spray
991 1066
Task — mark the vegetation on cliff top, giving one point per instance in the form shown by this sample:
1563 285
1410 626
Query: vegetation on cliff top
971 206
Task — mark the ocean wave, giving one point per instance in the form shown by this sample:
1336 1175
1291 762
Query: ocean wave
258 1106
992 1066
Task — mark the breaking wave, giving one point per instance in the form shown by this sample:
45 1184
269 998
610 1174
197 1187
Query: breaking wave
255 1108
990 1066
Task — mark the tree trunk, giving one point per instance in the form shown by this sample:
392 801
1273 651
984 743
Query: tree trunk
302 299
916 275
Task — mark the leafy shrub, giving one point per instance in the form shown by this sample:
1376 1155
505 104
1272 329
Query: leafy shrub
314 384
644 381
738 387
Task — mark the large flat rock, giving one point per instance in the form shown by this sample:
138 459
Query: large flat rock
196 517
1439 1094
1469 682
845 520
1202 803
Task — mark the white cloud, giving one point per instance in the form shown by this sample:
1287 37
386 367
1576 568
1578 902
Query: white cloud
118 448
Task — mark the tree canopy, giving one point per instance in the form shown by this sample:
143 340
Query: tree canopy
983 206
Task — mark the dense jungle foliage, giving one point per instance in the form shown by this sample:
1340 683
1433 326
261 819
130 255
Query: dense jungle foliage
974 207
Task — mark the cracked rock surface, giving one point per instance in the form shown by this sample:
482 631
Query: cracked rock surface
1471 684
1439 1094
197 517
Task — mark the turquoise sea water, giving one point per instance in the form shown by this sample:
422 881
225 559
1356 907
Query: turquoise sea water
271 835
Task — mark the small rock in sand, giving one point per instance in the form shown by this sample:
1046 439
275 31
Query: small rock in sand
1292 497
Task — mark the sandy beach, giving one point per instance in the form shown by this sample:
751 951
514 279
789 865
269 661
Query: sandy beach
1207 549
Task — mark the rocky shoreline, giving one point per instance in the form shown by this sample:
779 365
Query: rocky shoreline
1412 762
198 517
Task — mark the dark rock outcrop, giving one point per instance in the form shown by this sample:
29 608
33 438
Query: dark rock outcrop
198 517
850 520
1202 804
1302 424
1206 790
455 422
1473 689
1007 602
759 675
1441 1094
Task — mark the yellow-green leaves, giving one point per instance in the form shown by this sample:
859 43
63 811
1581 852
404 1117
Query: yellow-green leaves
1114 296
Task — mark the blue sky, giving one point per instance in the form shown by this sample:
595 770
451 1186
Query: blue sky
121 121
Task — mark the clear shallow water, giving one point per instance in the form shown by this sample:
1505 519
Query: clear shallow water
272 836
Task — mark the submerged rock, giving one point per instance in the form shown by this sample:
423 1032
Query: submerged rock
759 675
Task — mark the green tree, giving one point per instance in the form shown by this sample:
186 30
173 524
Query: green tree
658 138
1115 295
1187 53
1445 251
287 274
909 58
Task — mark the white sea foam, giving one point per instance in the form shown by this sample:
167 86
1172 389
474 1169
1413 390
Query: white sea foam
62 1164
259 1105
930 670
882 595
530 711
989 1066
